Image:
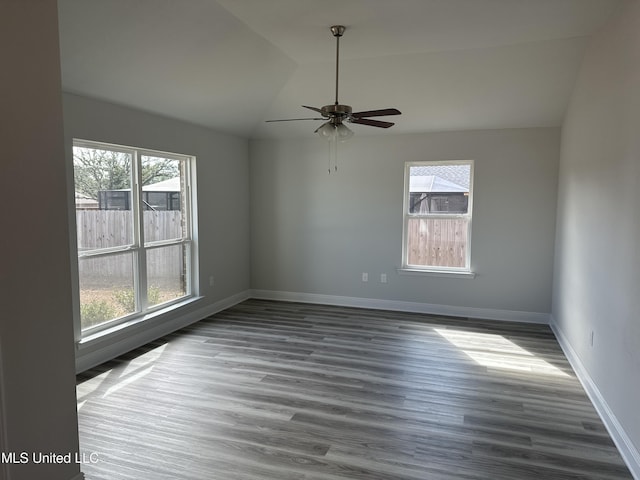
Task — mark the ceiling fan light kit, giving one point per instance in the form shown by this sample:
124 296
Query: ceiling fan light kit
330 131
336 114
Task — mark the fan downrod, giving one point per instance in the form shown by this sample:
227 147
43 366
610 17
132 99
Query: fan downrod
337 31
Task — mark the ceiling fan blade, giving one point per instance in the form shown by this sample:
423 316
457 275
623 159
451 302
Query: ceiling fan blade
377 113
372 123
315 109
294 119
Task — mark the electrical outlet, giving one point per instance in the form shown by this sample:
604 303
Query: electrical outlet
365 277
383 278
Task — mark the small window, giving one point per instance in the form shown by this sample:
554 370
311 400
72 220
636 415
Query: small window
437 216
134 230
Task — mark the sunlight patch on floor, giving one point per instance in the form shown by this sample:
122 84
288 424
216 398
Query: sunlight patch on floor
127 380
135 369
143 360
494 351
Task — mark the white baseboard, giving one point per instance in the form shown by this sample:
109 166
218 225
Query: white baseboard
626 447
402 306
107 350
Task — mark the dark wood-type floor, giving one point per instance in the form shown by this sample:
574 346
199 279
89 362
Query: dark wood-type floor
283 391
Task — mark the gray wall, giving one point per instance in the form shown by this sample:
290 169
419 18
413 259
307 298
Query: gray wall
37 378
597 274
316 233
222 166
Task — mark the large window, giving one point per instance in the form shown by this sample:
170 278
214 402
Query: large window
437 216
134 231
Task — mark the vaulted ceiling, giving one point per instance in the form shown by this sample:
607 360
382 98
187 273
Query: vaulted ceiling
232 64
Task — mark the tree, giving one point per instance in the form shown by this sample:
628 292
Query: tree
96 170
156 169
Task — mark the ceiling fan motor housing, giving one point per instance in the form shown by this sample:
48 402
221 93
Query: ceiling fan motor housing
336 113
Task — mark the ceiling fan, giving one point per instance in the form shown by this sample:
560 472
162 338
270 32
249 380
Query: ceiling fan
336 114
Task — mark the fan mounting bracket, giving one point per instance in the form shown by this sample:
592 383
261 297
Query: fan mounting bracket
337 30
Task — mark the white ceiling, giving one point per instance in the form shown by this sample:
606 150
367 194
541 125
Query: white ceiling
232 64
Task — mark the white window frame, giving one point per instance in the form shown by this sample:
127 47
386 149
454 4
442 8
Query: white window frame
426 269
138 247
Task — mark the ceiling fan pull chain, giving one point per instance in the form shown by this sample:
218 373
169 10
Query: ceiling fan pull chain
333 154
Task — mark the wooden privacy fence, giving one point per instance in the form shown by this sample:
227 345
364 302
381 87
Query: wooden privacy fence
113 228
440 242
431 242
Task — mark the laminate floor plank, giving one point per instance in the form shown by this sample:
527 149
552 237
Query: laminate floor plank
286 391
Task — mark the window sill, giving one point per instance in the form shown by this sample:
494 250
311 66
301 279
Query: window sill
436 273
107 332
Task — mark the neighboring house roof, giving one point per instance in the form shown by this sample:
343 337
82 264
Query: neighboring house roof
433 183
170 185
85 201
439 178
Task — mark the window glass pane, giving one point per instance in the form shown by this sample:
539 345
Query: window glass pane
102 191
440 189
166 273
437 242
163 187
106 288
